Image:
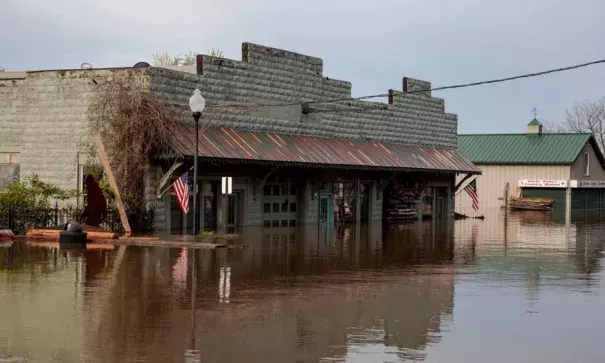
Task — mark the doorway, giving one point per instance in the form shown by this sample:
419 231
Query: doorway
326 209
441 203
209 205
235 211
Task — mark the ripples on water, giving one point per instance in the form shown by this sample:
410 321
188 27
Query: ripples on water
528 290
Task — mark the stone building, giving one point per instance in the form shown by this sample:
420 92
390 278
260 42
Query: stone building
298 149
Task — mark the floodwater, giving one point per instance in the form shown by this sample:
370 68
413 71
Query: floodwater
522 290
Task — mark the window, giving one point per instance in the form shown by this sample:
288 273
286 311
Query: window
267 190
293 190
275 224
284 207
292 222
267 208
586 164
266 224
276 190
292 207
275 207
284 223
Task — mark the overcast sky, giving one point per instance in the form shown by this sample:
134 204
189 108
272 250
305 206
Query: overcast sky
372 44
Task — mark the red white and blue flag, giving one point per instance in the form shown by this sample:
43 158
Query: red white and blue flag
471 190
181 189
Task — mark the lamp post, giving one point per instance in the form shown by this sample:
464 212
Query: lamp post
196 104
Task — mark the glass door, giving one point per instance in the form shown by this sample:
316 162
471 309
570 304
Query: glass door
326 208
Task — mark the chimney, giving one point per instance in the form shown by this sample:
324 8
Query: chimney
534 127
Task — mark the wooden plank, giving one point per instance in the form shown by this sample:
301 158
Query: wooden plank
113 184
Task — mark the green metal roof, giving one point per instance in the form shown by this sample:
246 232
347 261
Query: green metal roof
545 148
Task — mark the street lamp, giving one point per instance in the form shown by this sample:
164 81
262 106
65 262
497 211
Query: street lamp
196 104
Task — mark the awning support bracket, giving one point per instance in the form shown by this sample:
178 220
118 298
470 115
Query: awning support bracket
461 182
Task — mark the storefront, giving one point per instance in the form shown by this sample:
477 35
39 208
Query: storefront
283 181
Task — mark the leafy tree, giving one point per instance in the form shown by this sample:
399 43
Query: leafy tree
30 202
32 193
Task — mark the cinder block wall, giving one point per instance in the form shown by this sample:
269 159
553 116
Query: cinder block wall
272 76
44 118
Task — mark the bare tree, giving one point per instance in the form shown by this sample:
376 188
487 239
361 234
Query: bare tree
165 59
552 127
587 116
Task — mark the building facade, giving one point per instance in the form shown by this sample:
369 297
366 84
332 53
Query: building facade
534 164
272 124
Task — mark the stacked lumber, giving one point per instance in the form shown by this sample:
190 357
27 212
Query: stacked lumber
93 233
541 204
402 204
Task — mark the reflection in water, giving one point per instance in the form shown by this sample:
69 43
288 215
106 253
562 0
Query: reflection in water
459 292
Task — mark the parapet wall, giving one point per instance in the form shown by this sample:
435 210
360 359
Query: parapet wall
273 76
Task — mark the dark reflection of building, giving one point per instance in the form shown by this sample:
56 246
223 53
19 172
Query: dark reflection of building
291 295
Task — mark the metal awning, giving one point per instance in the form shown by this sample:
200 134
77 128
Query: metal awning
251 146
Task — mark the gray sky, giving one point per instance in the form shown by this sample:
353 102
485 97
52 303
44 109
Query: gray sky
371 44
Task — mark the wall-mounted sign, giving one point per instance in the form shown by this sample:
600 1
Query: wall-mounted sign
226 184
591 183
542 183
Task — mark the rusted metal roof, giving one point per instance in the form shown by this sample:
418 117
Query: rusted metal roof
231 144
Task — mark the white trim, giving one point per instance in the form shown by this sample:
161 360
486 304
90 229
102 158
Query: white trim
586 164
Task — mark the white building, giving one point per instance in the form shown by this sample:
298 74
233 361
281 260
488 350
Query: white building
533 164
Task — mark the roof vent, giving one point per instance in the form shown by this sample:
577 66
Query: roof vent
534 127
86 66
142 65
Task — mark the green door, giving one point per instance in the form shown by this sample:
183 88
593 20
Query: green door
326 209
586 199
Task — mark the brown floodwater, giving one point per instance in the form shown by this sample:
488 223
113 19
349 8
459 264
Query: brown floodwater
522 290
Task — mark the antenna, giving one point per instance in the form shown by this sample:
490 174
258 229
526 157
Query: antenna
535 111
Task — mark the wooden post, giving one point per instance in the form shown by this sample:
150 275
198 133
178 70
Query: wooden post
357 183
113 184
568 203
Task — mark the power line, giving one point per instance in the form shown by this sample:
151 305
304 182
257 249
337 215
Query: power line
464 85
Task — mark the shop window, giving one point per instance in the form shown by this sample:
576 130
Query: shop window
292 207
267 208
275 207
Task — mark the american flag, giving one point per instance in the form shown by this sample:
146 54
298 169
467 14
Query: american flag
181 189
471 189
